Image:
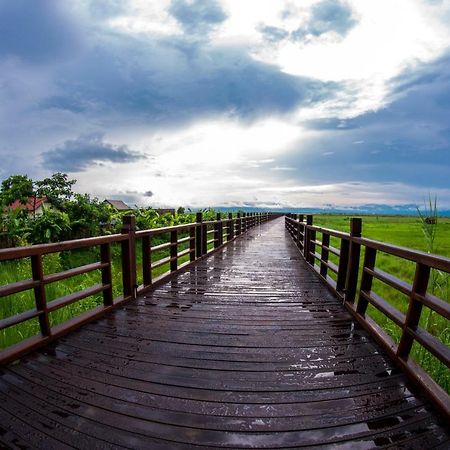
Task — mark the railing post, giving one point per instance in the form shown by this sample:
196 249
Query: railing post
192 244
129 257
343 266
105 258
295 234
307 240
239 224
325 254
299 232
198 235
370 256
312 246
204 239
146 261
230 234
173 250
39 294
218 233
353 260
420 286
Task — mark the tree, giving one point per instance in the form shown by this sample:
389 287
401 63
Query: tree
57 189
87 215
16 187
51 226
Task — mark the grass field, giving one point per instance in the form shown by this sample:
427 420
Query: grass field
404 231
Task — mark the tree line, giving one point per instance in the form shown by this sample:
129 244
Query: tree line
70 215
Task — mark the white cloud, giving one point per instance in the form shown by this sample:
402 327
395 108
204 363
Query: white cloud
388 38
348 194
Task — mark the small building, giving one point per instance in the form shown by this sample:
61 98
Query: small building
119 205
35 205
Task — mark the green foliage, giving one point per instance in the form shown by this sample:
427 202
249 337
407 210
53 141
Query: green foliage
14 228
16 187
208 214
51 226
88 217
428 222
57 189
148 218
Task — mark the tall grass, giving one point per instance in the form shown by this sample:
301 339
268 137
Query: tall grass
427 232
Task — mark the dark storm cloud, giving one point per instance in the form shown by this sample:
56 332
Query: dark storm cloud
82 153
168 82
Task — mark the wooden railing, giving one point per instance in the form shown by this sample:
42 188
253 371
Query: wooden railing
200 239
352 283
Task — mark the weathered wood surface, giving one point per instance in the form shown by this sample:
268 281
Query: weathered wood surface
248 349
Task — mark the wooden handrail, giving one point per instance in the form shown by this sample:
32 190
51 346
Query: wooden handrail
356 299
198 247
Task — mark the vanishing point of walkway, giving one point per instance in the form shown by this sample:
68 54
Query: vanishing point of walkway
247 349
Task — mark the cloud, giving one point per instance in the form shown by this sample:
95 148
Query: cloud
37 31
328 16
274 34
408 141
162 82
197 16
81 153
107 9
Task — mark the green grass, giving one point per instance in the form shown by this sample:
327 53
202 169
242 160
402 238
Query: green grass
406 232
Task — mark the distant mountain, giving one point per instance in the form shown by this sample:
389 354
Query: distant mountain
369 209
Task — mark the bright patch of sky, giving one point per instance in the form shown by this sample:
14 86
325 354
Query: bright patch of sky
226 102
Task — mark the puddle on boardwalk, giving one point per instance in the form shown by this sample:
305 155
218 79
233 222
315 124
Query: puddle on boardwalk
182 307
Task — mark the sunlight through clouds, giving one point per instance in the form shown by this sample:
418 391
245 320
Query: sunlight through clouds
230 102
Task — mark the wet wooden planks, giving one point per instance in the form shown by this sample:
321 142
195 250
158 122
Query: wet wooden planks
246 350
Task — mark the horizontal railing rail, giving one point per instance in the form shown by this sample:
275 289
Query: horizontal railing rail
182 245
352 282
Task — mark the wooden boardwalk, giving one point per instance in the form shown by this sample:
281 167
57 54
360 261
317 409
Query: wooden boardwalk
248 349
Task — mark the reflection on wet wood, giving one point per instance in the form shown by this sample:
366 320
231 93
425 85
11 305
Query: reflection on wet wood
248 349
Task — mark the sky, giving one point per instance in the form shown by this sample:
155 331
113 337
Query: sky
258 103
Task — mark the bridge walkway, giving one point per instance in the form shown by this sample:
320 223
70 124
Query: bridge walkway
247 349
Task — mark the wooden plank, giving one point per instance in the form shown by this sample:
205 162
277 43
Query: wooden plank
43 249
18 286
75 271
18 318
160 247
76 296
390 280
382 305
